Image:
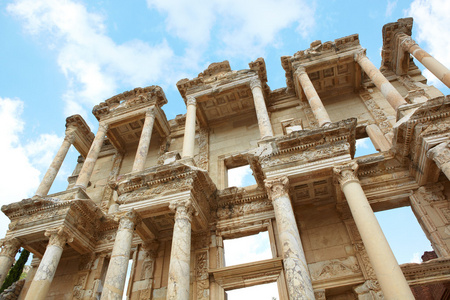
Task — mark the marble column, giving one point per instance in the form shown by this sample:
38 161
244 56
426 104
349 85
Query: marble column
298 279
433 65
144 141
265 127
53 170
377 137
387 270
180 255
10 246
43 278
316 104
189 129
91 158
120 257
387 89
441 156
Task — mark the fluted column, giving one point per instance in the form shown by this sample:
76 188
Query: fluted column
53 170
180 255
120 257
316 104
43 278
441 156
387 270
433 65
387 89
144 141
10 247
295 267
189 129
91 158
265 127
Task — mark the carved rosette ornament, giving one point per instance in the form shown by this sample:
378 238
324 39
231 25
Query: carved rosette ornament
191 101
277 188
346 173
183 209
9 247
58 237
255 82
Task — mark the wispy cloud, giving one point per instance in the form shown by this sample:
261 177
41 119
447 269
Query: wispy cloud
390 7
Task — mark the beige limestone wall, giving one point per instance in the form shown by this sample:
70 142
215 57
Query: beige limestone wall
347 106
64 280
277 117
99 177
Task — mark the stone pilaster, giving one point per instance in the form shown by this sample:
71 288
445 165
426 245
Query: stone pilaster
387 270
265 127
43 278
441 156
144 141
316 104
120 256
387 89
180 255
189 129
298 279
53 170
9 247
91 158
147 270
433 65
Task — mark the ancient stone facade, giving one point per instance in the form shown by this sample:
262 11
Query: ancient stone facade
155 191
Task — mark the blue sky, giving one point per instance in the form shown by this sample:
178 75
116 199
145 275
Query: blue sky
61 57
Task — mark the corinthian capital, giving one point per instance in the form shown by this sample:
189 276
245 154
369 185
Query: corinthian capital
359 55
255 82
70 135
127 220
277 187
346 173
183 209
9 246
406 42
58 236
299 71
191 101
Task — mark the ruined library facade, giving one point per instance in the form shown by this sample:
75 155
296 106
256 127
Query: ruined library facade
148 206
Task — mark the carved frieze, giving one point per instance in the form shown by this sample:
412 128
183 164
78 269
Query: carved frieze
334 268
242 209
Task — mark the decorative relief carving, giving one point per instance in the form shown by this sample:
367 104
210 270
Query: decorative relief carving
202 159
58 236
183 209
334 268
406 42
360 55
320 294
430 193
255 82
346 173
191 101
9 246
201 265
378 114
127 220
440 154
236 210
151 248
361 250
277 188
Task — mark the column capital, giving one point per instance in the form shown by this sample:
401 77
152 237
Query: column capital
190 100
359 55
300 70
70 135
406 42
255 82
58 236
150 111
9 246
277 187
127 220
346 173
103 126
183 209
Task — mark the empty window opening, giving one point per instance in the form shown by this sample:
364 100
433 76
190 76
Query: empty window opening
127 279
268 291
404 234
247 249
364 146
240 176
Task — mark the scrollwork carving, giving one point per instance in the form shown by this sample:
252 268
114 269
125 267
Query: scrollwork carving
127 220
346 173
255 82
9 246
183 209
191 101
277 188
58 236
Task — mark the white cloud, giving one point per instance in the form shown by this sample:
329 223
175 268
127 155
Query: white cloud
362 143
257 247
92 62
241 176
391 5
416 258
433 29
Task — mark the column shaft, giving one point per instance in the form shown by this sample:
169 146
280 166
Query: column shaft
296 269
316 104
389 274
120 257
9 250
377 137
180 255
91 158
144 141
49 263
265 127
53 170
189 129
433 65
387 89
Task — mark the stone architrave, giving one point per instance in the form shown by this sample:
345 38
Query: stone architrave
265 127
10 246
43 278
298 279
387 270
387 89
91 158
433 65
189 129
180 255
120 257
144 141
316 104
53 170
441 156
377 137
